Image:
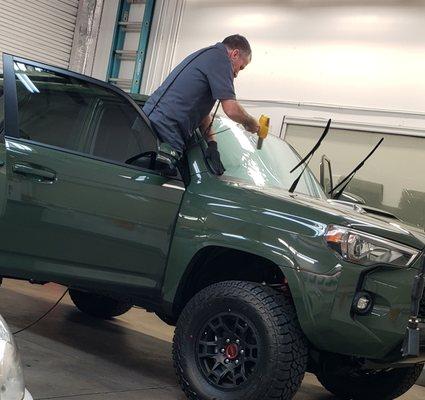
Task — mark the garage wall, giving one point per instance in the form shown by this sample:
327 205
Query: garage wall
326 52
355 53
38 29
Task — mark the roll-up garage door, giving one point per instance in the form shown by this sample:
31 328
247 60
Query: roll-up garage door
41 30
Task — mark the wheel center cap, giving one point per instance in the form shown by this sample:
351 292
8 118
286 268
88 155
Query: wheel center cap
232 351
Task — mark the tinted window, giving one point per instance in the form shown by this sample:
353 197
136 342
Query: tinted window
73 114
120 133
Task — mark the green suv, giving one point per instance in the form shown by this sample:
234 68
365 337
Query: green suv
262 283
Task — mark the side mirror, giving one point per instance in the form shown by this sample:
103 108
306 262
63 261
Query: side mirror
166 150
166 165
326 180
352 198
163 161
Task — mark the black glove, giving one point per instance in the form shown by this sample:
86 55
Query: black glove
213 158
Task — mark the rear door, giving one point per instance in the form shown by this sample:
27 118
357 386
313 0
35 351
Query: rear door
76 210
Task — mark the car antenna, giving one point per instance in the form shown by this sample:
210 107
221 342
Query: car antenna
344 183
308 157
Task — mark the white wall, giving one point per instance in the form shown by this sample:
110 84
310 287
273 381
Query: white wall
335 52
365 55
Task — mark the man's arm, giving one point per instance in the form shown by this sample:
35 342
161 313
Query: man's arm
237 113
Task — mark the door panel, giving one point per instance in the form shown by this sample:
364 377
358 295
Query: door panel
81 219
96 215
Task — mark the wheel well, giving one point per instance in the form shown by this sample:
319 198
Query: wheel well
216 264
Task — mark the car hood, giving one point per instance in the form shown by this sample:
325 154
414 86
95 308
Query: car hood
363 218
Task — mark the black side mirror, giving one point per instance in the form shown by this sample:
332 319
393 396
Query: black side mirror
146 159
326 180
352 198
166 165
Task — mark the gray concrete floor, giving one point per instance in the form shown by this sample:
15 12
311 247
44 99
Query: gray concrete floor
71 356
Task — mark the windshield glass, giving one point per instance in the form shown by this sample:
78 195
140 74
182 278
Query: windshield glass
268 167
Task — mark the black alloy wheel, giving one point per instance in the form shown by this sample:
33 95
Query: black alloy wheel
239 340
228 350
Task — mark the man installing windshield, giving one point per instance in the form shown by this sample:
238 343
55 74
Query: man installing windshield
185 99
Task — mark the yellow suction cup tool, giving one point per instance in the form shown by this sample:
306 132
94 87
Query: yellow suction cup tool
264 123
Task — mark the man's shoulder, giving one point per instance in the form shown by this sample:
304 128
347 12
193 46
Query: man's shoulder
218 48
213 50
213 55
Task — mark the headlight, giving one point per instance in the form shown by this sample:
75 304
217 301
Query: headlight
12 385
362 248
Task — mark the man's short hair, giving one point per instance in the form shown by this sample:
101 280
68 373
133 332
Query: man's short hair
238 42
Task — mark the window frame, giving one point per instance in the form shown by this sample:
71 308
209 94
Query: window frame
11 99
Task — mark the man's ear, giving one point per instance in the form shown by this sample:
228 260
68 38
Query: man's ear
235 53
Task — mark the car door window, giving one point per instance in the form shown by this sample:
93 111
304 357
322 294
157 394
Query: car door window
52 109
120 132
72 113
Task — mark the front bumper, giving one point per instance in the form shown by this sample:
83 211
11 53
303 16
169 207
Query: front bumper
414 341
378 336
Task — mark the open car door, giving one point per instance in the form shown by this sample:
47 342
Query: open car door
88 201
8 122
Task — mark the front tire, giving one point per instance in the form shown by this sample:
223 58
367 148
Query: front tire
98 305
239 340
371 385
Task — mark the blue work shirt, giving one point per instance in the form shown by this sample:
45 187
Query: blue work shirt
188 94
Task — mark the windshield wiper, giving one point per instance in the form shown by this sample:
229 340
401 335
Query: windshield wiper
344 183
308 157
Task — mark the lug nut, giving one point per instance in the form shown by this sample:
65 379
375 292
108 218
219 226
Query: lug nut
226 361
242 351
237 341
237 362
227 340
222 351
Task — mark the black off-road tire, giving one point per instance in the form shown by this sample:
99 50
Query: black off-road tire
97 305
282 349
382 385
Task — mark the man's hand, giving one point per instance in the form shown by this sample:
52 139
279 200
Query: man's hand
213 158
238 114
252 125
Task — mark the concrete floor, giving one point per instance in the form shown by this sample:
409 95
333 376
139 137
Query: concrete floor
70 356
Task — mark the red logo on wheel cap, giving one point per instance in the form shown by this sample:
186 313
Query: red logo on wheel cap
232 351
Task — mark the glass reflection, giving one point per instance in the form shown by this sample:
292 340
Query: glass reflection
266 168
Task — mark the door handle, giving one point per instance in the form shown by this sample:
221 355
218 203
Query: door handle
31 171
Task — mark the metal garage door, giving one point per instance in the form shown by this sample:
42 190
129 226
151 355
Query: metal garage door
42 30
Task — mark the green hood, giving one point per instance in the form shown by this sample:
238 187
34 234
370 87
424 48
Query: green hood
352 215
